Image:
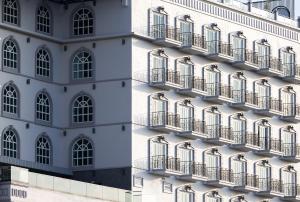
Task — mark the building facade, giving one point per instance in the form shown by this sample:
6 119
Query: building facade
175 100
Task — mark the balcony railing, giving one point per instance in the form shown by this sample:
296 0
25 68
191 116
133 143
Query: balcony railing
225 49
252 180
192 82
251 98
162 162
238 96
290 109
225 91
218 131
289 189
162 31
162 75
162 118
191 125
198 169
239 137
269 103
192 39
288 149
252 139
238 179
275 145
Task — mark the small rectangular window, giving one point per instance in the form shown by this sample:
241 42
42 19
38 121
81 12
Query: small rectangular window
138 181
167 187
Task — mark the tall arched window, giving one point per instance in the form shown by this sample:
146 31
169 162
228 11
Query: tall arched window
10 100
82 65
82 109
11 12
43 150
43 63
10 143
82 152
43 20
43 107
10 55
83 22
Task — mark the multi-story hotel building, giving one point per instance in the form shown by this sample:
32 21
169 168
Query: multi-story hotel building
174 100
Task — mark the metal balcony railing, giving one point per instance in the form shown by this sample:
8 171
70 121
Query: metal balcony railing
213 89
288 149
251 98
198 169
162 118
226 175
239 137
191 125
269 103
190 82
252 139
289 189
275 145
238 96
276 186
162 75
213 173
162 162
218 131
162 31
264 184
225 49
252 180
289 69
238 179
192 39
239 54
213 47
275 104
225 91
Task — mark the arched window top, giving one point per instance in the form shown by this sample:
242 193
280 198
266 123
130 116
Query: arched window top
263 163
10 143
213 67
288 89
238 34
212 109
262 122
82 65
44 19
185 145
289 129
159 96
160 10
11 12
159 52
186 18
185 102
288 168
239 198
238 75
185 60
282 11
213 151
264 82
212 194
159 139
82 152
263 42
288 49
10 55
83 109
238 157
212 26
83 22
43 150
239 116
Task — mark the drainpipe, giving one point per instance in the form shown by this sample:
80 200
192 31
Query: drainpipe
249 5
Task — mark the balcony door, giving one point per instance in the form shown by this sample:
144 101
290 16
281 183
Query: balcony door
288 99
211 198
159 68
263 93
186 113
212 40
185 196
186 74
159 111
264 135
212 163
212 124
239 169
288 62
186 157
238 127
186 32
212 78
239 48
289 182
238 86
263 54
159 25
264 177
158 154
288 139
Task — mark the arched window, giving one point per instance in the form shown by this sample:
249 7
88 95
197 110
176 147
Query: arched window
10 100
10 143
43 20
43 150
43 63
10 55
82 65
43 107
83 22
82 111
10 12
82 152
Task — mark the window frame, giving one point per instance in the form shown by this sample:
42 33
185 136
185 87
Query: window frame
92 68
17 61
18 97
38 76
12 129
18 17
45 136
82 167
83 6
44 122
46 6
186 189
89 123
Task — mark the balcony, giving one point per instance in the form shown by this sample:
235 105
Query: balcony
165 35
193 43
269 106
219 51
291 112
165 166
244 182
218 93
165 122
245 59
269 188
164 79
270 66
191 128
272 147
196 173
192 86
291 73
244 100
218 177
245 141
289 191
218 134
290 152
